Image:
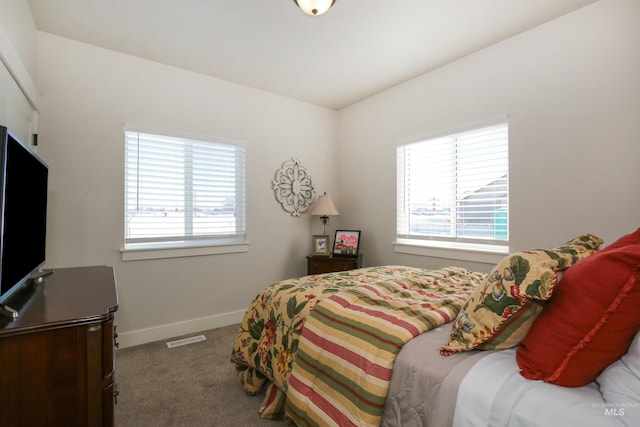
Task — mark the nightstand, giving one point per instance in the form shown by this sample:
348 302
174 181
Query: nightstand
317 264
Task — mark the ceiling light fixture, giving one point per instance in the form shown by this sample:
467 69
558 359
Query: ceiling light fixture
314 7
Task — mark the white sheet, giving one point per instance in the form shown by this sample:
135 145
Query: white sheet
494 394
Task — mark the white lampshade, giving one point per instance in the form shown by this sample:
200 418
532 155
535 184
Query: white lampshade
314 7
324 206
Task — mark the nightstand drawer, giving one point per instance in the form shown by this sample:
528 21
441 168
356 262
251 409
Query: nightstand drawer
328 264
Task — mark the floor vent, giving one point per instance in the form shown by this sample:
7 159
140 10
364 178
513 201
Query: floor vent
185 341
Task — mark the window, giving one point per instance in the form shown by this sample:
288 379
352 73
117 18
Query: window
183 192
453 190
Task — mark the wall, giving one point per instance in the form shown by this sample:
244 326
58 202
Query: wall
88 94
18 94
571 89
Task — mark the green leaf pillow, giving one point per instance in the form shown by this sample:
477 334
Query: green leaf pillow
500 311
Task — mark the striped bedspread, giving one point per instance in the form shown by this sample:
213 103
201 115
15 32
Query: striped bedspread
343 364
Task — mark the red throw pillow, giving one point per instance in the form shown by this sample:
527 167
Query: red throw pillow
626 240
589 321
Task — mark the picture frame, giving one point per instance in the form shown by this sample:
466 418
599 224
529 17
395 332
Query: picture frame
346 243
320 245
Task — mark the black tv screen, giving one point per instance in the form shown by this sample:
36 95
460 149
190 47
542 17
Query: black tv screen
23 207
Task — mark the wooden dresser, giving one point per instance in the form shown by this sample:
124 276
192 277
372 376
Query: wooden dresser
57 359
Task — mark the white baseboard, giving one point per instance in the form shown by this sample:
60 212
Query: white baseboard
171 330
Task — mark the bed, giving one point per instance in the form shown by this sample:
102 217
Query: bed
403 346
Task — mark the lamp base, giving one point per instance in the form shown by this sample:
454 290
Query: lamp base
324 220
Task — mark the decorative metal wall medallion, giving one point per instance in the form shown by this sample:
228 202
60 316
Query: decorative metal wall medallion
293 187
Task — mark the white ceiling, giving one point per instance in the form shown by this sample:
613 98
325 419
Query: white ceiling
359 48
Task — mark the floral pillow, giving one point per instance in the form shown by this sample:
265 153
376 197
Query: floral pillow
500 311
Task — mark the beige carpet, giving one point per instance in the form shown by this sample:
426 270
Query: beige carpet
192 385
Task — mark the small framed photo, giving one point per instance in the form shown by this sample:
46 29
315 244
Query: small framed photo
320 245
346 243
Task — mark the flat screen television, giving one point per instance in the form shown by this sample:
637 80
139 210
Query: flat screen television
23 213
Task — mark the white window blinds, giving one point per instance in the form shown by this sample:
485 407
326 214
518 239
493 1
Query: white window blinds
183 191
455 187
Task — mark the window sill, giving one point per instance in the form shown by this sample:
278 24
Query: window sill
488 254
146 252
